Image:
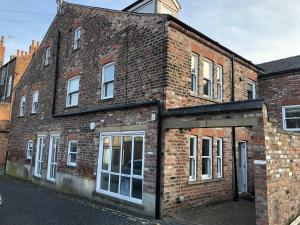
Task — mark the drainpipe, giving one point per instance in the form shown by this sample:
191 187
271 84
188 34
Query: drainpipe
158 162
56 72
236 192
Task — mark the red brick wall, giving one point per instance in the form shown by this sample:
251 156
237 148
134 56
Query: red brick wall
4 123
279 91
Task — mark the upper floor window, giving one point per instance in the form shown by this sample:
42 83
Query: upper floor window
29 149
251 90
193 158
220 82
208 78
108 76
9 84
47 56
207 158
291 117
35 102
2 78
77 35
72 153
22 105
194 73
73 91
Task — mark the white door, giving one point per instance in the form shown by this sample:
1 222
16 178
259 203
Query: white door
52 158
39 156
242 166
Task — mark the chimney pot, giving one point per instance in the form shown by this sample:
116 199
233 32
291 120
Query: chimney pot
2 40
18 52
22 53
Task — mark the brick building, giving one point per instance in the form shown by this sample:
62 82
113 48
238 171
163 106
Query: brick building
138 108
10 74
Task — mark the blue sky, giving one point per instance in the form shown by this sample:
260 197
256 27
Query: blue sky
258 30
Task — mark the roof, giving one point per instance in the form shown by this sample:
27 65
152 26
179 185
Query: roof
281 66
238 106
140 1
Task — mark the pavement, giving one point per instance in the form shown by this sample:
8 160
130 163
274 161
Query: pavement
29 204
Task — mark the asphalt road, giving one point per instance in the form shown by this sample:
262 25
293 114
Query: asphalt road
29 204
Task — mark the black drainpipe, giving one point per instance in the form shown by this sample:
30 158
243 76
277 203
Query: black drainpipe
236 192
158 162
56 73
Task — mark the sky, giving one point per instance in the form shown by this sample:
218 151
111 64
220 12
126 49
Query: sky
258 30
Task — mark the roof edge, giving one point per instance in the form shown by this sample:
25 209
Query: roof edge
279 73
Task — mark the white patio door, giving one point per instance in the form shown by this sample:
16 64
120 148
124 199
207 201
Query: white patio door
242 149
39 156
52 158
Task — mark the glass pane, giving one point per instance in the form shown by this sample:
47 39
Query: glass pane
250 95
192 167
104 181
126 155
73 157
114 183
115 160
194 83
74 85
137 188
292 112
138 156
292 123
219 147
207 87
106 150
108 89
205 166
74 98
192 146
109 72
205 147
194 64
73 147
207 70
125 186
219 166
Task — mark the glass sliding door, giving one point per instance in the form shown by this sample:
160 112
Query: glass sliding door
52 157
39 156
120 166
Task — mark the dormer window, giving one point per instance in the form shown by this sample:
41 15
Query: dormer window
47 56
77 36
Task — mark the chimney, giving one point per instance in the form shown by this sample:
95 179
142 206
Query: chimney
2 51
59 5
34 46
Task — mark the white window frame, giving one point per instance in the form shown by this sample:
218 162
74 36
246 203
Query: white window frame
193 158
29 149
220 157
50 162
35 102
284 117
69 94
220 82
210 158
47 56
195 75
22 106
103 85
77 38
39 155
252 83
9 84
133 134
211 78
69 163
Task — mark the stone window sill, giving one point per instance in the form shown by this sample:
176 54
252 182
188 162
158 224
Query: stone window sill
205 181
205 98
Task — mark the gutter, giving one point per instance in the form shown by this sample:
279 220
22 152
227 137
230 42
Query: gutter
158 162
56 73
282 73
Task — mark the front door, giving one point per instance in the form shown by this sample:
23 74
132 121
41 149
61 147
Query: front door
39 156
52 159
242 166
